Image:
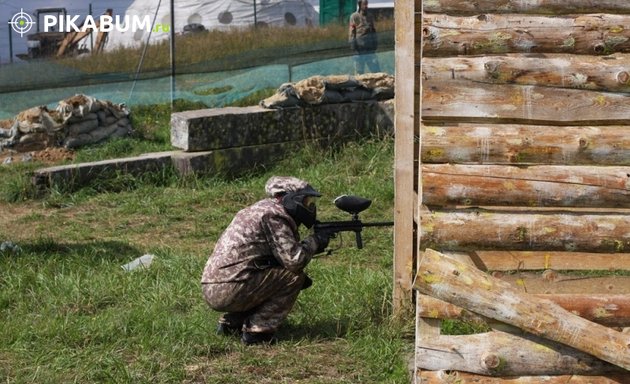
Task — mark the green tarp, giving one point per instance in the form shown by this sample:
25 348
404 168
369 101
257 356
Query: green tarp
336 11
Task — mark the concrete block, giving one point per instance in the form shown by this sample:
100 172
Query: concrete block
73 176
231 161
210 129
229 141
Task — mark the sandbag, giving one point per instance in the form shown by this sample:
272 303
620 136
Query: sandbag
318 90
76 121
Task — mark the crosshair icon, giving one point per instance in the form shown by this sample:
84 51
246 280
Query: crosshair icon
21 22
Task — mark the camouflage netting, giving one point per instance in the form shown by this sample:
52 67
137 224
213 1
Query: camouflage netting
318 90
75 122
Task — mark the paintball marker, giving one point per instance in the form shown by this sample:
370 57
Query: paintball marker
353 205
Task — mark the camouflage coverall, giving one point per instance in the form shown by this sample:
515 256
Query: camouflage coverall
256 270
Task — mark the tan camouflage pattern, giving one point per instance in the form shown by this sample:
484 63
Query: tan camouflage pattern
256 270
283 184
259 304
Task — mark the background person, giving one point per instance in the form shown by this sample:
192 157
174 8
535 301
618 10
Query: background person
256 270
363 39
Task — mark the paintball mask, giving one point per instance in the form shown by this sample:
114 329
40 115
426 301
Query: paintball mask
301 205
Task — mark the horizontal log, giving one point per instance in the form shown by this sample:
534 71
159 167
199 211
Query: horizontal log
535 186
442 377
552 282
494 354
467 287
523 261
608 310
482 229
609 73
525 144
467 101
593 34
552 7
432 308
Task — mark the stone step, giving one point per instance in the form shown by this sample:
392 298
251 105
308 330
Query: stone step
72 176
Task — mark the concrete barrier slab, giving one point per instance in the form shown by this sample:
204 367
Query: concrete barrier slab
75 175
210 129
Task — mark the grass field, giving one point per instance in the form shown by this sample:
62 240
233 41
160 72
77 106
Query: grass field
70 313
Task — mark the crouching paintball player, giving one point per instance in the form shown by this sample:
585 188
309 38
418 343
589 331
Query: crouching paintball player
256 270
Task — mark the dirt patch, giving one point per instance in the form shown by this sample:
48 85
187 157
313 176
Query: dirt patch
54 155
38 133
50 155
325 362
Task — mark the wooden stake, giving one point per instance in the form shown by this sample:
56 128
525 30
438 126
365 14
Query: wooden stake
407 114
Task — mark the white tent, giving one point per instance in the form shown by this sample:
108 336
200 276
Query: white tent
212 14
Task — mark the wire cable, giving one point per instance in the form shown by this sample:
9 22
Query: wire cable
144 52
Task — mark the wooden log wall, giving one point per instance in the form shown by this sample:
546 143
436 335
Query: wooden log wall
523 173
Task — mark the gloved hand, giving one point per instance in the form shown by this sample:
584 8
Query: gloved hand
322 238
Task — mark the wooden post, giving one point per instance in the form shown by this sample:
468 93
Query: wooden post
425 328
404 121
466 286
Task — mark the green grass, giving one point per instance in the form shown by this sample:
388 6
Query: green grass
213 91
70 313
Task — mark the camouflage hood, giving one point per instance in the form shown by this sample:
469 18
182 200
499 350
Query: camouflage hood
285 184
